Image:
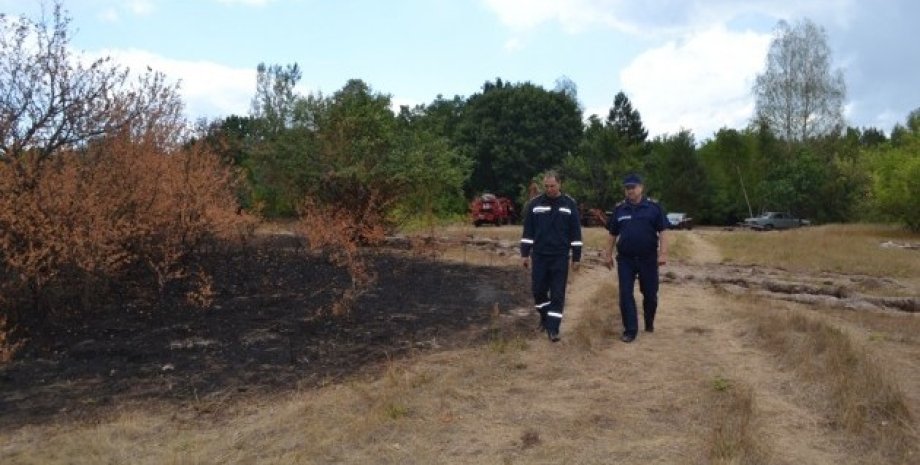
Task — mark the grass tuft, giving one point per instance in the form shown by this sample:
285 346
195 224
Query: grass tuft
395 411
734 438
599 319
721 384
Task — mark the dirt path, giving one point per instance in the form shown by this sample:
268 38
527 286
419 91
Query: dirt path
702 250
646 401
653 388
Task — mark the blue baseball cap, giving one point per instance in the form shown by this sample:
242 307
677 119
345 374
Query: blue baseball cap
632 180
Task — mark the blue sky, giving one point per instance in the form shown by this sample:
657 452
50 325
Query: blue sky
685 64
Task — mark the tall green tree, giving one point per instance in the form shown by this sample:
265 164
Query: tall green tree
895 173
868 137
437 169
799 96
355 135
441 117
901 134
677 176
593 172
731 163
844 181
794 184
281 134
514 131
434 175
626 121
913 120
276 99
608 151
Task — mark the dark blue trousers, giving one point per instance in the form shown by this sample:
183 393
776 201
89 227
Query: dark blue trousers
646 268
548 277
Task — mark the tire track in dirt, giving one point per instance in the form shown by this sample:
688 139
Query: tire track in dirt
887 332
795 431
643 401
702 323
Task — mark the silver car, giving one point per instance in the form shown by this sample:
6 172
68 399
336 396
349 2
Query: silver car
775 220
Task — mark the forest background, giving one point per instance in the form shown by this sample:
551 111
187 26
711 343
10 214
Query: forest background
797 154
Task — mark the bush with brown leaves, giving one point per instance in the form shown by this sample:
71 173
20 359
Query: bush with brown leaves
118 207
338 231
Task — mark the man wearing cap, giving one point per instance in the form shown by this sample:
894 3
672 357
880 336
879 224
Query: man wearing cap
637 228
551 229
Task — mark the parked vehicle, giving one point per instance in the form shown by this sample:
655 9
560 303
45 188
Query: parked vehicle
677 220
774 220
491 209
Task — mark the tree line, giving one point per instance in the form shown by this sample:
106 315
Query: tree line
795 155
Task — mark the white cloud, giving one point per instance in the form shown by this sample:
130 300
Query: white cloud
700 76
208 89
513 44
702 83
887 119
573 15
141 7
113 14
109 15
522 14
661 18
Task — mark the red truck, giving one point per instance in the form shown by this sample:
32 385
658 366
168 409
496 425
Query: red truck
489 208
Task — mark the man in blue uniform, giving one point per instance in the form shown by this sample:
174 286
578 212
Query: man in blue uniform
637 228
551 229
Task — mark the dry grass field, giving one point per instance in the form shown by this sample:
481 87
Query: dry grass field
854 249
743 368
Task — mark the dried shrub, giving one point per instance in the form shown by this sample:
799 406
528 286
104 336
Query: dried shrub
8 346
202 293
128 206
338 232
426 247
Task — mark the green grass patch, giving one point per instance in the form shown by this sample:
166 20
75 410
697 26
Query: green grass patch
720 384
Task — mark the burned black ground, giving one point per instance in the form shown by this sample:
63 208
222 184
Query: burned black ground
269 330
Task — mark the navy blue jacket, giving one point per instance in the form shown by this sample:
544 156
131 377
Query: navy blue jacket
637 227
552 227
